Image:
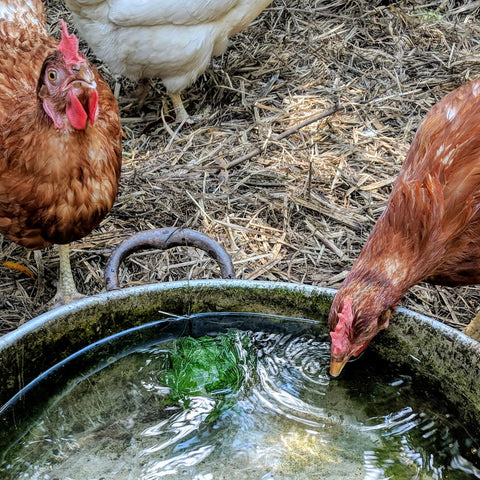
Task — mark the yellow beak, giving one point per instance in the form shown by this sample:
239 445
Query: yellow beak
337 367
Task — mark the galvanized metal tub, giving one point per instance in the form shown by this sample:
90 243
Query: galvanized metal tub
443 356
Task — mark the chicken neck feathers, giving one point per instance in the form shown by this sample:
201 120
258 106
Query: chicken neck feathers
430 229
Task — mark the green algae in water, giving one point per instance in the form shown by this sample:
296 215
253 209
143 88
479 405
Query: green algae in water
284 418
208 366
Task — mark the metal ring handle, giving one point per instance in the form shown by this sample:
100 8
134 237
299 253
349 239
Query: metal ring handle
165 238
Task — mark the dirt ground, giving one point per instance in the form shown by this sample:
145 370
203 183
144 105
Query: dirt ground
288 205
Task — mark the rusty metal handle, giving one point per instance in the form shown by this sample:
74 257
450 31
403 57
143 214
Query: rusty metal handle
165 238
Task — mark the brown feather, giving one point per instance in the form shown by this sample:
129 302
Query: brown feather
430 229
55 185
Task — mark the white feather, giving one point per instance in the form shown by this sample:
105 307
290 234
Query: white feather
168 39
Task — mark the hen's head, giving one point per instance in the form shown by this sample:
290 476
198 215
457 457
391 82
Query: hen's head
67 88
351 332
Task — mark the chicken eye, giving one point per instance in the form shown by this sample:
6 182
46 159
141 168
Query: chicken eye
52 75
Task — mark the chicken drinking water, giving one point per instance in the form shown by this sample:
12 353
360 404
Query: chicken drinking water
60 138
429 231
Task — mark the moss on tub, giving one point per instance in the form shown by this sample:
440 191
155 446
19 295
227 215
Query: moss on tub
435 351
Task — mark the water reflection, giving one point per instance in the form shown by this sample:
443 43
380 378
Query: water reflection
288 420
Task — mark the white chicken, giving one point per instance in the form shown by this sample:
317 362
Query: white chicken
173 40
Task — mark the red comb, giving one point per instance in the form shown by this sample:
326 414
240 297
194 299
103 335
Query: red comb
69 47
340 340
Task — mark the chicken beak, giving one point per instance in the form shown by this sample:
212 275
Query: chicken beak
337 367
83 72
82 77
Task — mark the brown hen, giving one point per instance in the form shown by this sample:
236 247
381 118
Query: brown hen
429 231
60 137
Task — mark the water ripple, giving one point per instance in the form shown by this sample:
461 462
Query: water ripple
394 423
180 425
277 400
288 420
172 465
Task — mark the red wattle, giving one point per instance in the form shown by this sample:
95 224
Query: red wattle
76 114
93 106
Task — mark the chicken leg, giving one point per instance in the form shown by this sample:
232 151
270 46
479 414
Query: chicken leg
66 290
473 328
180 112
141 93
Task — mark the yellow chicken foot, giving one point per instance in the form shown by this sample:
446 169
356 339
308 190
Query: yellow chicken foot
37 255
473 328
66 290
180 112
